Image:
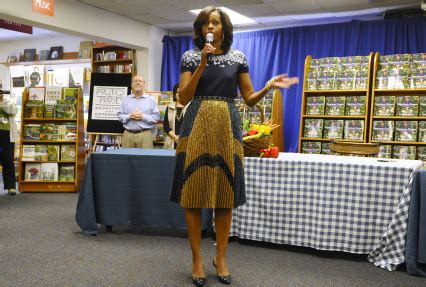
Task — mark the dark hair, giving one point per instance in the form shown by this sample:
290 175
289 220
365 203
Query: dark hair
227 28
175 88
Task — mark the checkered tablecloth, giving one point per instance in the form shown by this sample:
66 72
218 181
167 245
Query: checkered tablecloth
351 204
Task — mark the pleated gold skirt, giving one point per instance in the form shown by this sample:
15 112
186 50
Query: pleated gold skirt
209 157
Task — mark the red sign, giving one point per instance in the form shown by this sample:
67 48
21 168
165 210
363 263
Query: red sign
46 7
14 26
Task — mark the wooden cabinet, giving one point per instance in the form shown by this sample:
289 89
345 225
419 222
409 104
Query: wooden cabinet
63 155
398 106
336 97
113 59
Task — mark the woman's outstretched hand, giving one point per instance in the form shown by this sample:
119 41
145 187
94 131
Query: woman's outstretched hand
283 81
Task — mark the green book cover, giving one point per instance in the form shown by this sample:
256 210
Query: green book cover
313 128
32 132
70 95
355 106
311 147
418 78
383 130
406 131
382 81
49 111
421 153
66 172
33 109
325 148
46 132
361 80
422 106
335 106
422 131
68 152
384 106
333 129
53 152
325 80
385 151
404 152
315 105
354 129
312 80
345 80
407 106
41 152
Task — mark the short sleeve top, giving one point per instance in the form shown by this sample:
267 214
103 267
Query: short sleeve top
219 78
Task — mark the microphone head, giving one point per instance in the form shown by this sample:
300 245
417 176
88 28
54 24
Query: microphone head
209 38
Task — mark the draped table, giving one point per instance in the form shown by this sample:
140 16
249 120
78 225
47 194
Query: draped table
130 186
350 204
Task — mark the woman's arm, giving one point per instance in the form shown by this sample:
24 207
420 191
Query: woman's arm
251 97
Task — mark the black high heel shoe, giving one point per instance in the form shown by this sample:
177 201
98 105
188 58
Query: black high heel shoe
222 279
198 281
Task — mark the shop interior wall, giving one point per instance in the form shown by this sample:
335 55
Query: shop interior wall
77 19
70 44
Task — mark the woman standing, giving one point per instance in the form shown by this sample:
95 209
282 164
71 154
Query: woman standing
173 119
209 156
8 136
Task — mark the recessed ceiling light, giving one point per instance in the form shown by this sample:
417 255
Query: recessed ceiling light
236 18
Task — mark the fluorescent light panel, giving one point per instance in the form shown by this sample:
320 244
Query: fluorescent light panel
236 18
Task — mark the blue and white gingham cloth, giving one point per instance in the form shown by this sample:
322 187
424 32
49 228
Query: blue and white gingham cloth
351 204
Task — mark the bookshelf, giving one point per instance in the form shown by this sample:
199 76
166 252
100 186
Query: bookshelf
52 154
67 58
113 59
398 107
335 101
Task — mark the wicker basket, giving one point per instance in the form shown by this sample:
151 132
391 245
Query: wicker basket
252 148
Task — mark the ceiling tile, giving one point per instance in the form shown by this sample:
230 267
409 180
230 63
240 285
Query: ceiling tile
256 10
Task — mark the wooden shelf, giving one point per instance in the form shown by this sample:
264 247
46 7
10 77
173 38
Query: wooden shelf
327 140
48 62
395 118
334 92
48 120
392 92
47 142
399 143
308 94
113 61
78 145
47 186
333 117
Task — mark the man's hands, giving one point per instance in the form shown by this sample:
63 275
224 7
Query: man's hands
174 137
136 115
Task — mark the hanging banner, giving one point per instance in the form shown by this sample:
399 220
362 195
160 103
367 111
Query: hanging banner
14 26
46 7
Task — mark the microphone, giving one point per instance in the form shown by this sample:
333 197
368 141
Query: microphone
209 38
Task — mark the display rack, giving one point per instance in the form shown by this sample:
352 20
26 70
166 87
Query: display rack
68 183
329 80
113 59
404 132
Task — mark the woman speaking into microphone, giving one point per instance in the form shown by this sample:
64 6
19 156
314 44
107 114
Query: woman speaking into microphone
209 155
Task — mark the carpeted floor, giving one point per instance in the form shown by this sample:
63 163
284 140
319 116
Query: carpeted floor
41 245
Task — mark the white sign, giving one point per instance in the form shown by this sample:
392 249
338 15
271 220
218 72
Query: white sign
106 102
